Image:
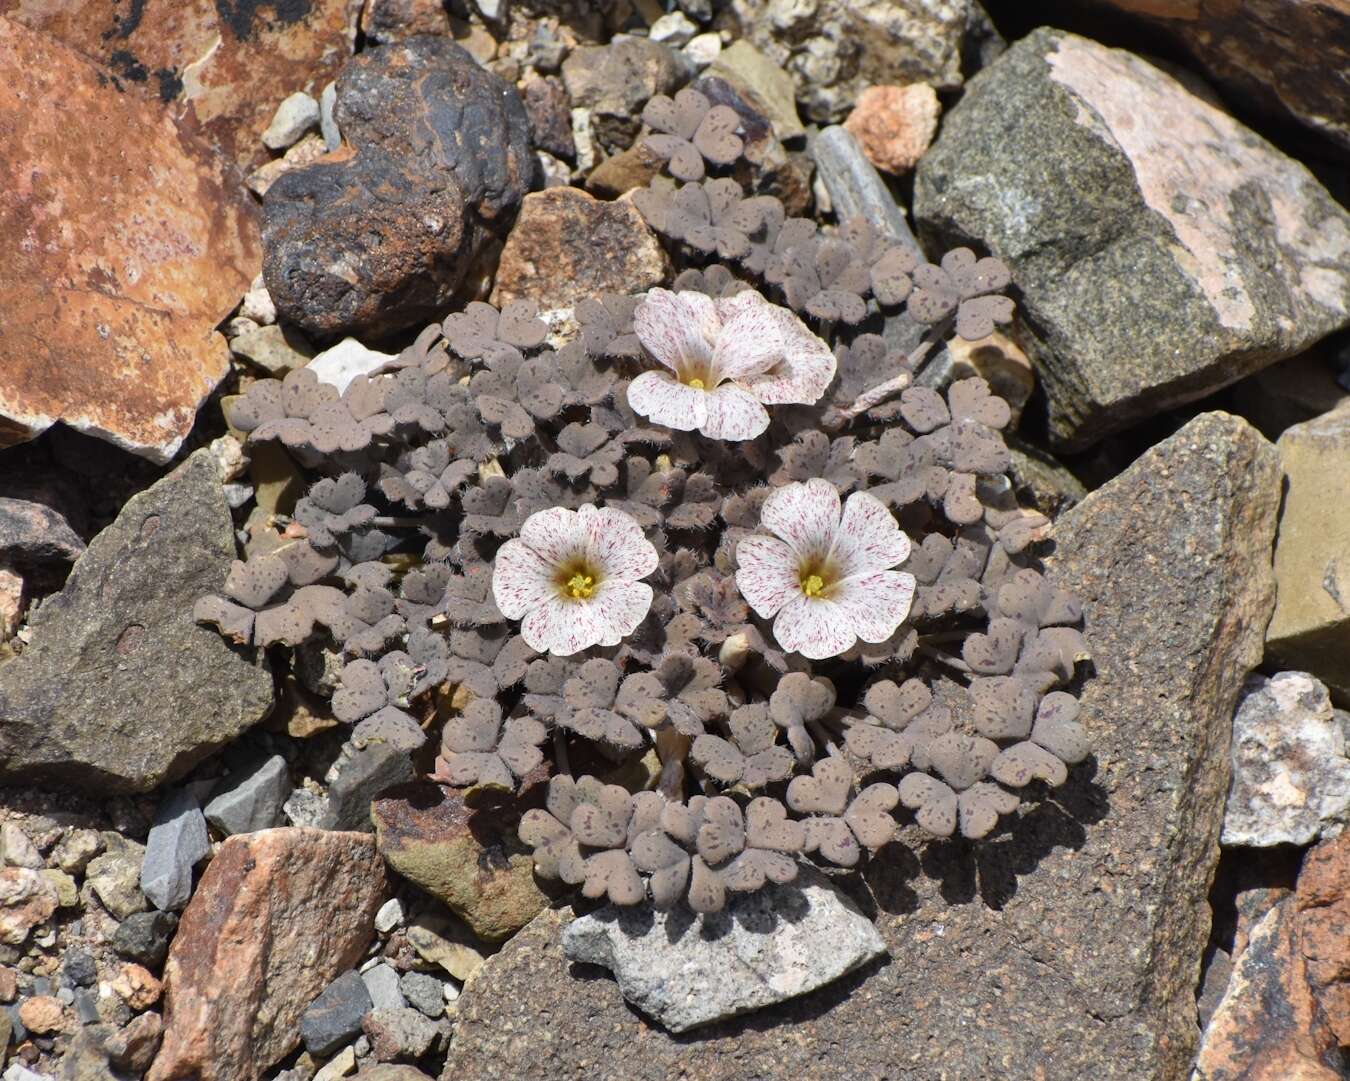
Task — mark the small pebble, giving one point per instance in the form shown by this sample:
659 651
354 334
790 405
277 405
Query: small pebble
18 850
382 983
294 116
66 995
340 1065
86 1007
144 937
703 49
78 967
258 304
389 916
137 986
362 1046
423 992
332 137
42 1014
673 29
9 984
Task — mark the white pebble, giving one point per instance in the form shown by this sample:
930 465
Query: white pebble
673 29
704 49
294 116
389 916
258 304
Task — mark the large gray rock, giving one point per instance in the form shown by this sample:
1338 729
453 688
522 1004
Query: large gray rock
120 690
763 948
1068 947
1291 776
1161 249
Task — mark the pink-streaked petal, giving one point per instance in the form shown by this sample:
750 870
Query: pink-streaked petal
562 626
814 627
555 534
766 574
616 544
804 371
876 604
751 342
703 313
869 538
662 399
804 514
728 307
521 580
618 608
733 414
673 327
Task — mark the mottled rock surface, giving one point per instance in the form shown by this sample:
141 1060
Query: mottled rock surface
221 66
120 688
895 124
128 240
275 917
1311 626
567 246
1156 262
1291 776
1323 904
35 533
614 81
1068 947
764 947
378 235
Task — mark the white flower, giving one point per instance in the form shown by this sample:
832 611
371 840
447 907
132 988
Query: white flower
572 578
727 360
828 581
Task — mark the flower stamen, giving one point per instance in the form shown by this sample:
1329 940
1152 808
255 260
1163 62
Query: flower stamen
697 383
813 585
580 586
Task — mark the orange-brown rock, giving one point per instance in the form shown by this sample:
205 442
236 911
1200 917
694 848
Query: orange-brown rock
223 67
567 245
895 124
1323 903
126 241
137 986
42 1014
276 916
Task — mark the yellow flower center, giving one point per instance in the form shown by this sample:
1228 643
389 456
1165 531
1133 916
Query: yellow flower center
580 586
813 585
697 383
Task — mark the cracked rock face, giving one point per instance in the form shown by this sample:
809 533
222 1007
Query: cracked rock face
1157 261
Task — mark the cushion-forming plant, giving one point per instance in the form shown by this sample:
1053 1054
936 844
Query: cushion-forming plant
725 526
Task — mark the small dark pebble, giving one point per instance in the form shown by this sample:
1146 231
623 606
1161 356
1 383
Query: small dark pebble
145 937
334 1018
86 1008
78 968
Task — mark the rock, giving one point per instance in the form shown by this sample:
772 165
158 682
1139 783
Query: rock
614 81
257 304
673 28
382 985
334 1018
26 900
763 84
1311 626
1291 775
340 1065
1265 71
1322 901
895 124
177 842
11 603
550 112
1162 261
295 116
122 260
1266 1024
309 149
328 127
424 993
34 533
389 916
74 851
1072 950
135 1046
137 987
567 246
67 893
42 1014
399 1033
251 798
468 858
16 848
341 363
384 21
704 49
115 876
622 172
439 159
223 67
856 188
391 1072
119 688
1290 392
359 778
273 349
443 940
836 48
275 917
145 936
78 968
764 948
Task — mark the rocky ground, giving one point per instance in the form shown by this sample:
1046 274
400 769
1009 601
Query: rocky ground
203 876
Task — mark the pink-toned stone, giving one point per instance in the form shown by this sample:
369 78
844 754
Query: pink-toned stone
277 915
42 1014
26 899
126 241
895 124
221 67
137 986
1323 903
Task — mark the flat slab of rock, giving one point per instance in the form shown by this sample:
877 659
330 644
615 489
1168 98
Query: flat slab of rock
765 947
1068 947
128 242
1157 262
119 689
276 916
224 65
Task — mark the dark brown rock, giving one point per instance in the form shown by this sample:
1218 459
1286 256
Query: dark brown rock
222 67
35 533
567 246
550 112
614 81
1068 947
383 21
373 239
128 241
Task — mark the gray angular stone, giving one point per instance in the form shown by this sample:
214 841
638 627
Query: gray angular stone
856 188
382 985
1068 947
35 533
177 842
763 948
1291 776
360 776
251 798
120 690
399 1033
145 937
334 1018
1156 262
332 136
423 992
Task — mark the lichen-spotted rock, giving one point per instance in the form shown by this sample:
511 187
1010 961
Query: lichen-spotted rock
120 689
